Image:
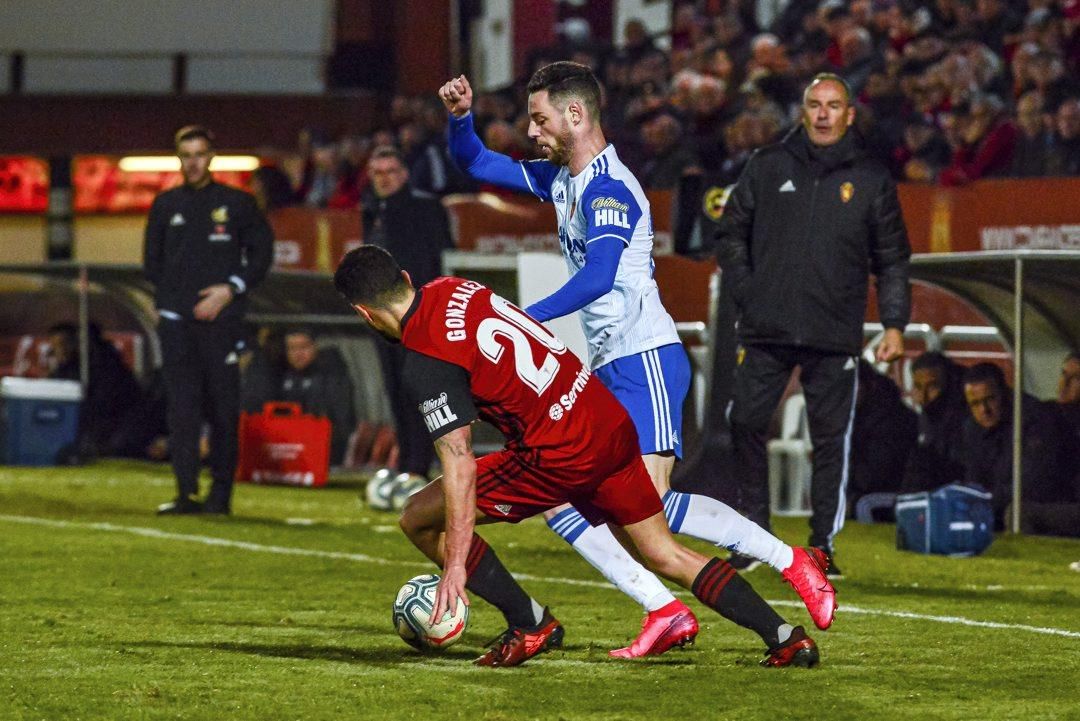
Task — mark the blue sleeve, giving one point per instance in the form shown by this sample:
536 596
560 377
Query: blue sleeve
595 278
479 163
611 210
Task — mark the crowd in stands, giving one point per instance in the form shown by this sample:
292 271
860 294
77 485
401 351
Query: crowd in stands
947 91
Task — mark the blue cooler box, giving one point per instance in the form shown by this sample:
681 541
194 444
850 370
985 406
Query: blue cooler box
954 520
39 419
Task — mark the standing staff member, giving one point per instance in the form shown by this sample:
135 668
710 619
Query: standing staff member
207 246
809 220
414 227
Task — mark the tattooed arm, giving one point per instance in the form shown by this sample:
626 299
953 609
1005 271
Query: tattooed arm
459 489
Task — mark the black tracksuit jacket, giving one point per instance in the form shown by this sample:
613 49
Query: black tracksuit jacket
198 238
798 240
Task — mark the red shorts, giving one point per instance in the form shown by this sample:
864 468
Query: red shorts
511 486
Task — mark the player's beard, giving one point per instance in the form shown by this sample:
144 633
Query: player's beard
561 155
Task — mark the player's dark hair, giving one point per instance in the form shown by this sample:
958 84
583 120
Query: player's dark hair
191 132
1075 355
986 373
370 276
566 81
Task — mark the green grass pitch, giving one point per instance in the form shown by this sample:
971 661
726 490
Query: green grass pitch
283 612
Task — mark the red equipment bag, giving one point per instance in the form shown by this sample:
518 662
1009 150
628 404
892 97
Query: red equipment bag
284 445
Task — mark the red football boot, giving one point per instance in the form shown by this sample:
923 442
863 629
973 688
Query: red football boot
518 645
672 625
806 574
799 650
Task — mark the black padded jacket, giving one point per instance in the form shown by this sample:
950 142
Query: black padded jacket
800 236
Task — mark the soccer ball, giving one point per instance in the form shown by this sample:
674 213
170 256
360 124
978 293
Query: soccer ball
405 484
412 609
380 490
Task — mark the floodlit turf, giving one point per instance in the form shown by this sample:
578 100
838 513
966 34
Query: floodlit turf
283 612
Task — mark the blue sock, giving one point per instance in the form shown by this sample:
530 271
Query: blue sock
675 507
569 524
710 520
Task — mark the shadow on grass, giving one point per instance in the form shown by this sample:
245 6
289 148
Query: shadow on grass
379 656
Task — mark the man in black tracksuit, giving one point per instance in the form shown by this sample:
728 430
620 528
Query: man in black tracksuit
413 226
807 222
207 246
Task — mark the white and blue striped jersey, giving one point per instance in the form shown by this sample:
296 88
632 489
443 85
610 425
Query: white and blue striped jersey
606 200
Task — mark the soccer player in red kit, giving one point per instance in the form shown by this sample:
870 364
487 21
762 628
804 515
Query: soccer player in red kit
475 355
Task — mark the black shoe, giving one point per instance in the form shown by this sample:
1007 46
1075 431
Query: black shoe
212 508
743 564
180 507
832 571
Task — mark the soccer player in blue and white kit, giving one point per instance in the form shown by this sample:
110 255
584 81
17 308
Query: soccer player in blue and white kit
606 236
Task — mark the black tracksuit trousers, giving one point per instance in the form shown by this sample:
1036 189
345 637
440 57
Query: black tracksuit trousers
829 382
201 371
415 449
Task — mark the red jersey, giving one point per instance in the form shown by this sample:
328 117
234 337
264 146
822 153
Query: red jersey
522 378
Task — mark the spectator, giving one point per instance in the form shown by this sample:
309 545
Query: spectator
636 41
1064 156
988 447
1046 72
938 392
859 57
207 246
988 139
262 365
1032 154
111 390
996 24
1068 407
924 151
271 188
318 381
666 157
798 303
321 176
352 153
414 227
883 435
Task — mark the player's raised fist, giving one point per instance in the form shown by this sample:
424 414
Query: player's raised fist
457 96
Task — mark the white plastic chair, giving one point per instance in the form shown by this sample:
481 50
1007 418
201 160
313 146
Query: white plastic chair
789 461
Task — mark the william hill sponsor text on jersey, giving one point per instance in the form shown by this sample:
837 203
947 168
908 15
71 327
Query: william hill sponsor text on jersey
436 413
610 211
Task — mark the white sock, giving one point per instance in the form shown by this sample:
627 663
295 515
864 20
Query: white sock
710 520
598 546
538 612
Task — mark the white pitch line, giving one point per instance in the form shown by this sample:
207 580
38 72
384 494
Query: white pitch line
363 558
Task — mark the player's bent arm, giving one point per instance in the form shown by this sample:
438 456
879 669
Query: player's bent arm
480 163
459 488
595 278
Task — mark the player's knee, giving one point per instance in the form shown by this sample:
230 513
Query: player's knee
415 520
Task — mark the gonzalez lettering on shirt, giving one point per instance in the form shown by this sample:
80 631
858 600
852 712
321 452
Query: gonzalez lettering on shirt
474 355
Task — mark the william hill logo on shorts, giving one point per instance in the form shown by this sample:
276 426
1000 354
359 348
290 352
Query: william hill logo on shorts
436 413
610 211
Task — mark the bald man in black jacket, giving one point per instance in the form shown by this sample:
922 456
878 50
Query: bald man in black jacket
809 220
